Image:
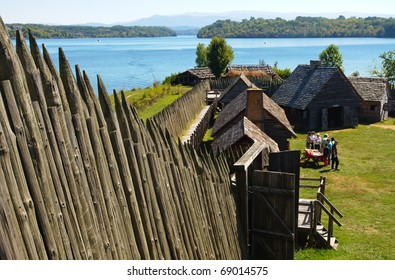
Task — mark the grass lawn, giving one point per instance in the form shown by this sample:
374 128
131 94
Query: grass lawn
151 100
363 190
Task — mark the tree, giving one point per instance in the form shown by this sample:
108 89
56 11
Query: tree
219 56
355 74
201 55
332 57
387 66
282 73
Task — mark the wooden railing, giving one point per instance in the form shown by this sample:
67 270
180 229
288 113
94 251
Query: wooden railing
317 206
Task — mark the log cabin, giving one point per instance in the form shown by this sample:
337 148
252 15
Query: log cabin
315 97
374 92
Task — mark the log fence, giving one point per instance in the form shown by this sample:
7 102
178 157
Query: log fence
180 113
201 129
80 179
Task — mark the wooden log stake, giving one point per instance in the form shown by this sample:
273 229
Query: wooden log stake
21 184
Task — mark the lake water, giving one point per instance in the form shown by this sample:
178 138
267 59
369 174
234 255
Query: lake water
126 63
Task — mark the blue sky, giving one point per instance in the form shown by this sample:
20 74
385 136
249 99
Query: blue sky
112 11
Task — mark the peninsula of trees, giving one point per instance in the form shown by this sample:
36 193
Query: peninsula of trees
301 27
76 31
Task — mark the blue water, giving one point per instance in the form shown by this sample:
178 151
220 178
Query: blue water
126 63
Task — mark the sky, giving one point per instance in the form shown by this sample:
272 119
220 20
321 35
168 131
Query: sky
113 11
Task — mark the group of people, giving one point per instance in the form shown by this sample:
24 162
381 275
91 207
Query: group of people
327 146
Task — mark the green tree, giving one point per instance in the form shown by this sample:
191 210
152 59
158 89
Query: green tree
355 74
219 56
387 66
282 73
331 56
201 55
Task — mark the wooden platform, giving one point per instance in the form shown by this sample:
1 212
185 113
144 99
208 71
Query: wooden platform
304 217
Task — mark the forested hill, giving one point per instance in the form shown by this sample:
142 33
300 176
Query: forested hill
301 27
74 31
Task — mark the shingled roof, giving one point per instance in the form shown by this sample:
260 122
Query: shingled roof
242 78
262 69
370 89
200 72
238 107
239 130
303 85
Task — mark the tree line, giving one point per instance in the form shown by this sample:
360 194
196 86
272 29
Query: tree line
75 31
301 27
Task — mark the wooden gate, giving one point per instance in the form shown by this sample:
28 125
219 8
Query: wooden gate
273 215
348 117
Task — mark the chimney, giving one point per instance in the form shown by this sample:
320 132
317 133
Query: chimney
254 109
315 63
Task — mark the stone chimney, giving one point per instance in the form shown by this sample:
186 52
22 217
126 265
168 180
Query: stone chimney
254 109
315 63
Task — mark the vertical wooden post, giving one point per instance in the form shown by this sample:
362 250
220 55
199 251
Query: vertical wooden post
242 194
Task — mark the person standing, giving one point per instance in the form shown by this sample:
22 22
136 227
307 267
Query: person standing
329 141
335 158
317 142
326 154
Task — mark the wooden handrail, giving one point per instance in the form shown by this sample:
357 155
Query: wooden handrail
309 186
245 161
331 216
311 179
330 204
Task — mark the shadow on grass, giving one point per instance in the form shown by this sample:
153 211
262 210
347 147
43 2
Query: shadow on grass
311 165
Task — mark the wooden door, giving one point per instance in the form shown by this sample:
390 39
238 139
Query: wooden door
348 117
273 216
324 119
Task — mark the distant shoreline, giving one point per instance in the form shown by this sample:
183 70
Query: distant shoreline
42 31
300 27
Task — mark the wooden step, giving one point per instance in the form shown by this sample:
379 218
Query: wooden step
333 243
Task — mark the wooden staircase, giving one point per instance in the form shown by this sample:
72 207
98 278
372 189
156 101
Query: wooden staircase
310 223
322 237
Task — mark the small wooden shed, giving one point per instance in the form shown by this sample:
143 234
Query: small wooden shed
193 76
316 97
257 107
374 93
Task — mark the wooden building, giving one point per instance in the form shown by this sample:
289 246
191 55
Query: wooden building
193 76
234 89
315 97
244 133
374 93
257 107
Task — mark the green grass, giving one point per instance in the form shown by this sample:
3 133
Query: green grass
151 100
363 190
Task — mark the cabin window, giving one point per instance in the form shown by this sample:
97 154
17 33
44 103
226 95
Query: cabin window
305 115
373 108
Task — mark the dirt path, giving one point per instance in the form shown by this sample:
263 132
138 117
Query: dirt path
192 128
385 126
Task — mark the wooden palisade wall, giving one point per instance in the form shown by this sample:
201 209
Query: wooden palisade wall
80 179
